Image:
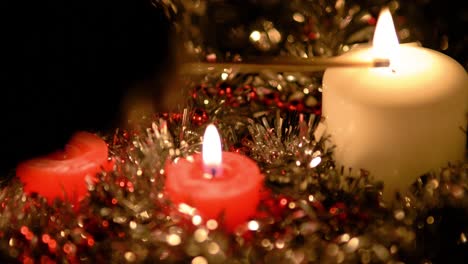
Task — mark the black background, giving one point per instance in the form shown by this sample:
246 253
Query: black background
66 65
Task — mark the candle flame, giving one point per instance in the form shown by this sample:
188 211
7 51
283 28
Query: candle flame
385 42
212 152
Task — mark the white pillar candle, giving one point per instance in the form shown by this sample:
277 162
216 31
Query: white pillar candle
397 122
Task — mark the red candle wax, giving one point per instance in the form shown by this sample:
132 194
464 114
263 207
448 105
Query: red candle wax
62 174
234 194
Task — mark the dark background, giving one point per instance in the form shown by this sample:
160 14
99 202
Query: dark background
440 25
67 65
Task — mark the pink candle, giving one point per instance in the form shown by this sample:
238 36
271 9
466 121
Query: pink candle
218 184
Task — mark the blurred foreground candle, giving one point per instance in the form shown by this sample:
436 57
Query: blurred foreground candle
396 122
218 184
62 174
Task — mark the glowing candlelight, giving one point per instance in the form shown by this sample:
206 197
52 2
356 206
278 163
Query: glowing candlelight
195 182
385 44
212 152
396 122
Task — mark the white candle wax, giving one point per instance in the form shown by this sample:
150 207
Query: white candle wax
399 122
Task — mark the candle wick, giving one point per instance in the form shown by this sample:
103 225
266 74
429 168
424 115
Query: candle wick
213 172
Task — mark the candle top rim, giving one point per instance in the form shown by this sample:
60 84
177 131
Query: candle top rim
421 67
179 176
92 152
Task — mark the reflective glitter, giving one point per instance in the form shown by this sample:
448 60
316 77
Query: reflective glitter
292 205
213 248
130 256
212 224
173 239
298 17
200 235
430 220
279 244
266 243
463 237
344 238
255 36
311 198
393 249
381 252
11 242
224 76
399 215
199 260
315 162
186 209
253 225
352 245
196 220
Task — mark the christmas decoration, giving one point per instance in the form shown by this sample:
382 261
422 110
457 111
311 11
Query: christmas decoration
310 210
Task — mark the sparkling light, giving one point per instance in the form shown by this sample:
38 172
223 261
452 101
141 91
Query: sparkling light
253 225
266 243
292 205
186 209
274 35
352 245
315 162
298 17
463 237
430 220
173 239
255 36
224 76
130 256
344 238
199 260
196 220
200 235
212 224
280 244
213 248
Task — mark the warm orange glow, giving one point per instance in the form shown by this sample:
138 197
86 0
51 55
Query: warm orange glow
212 152
385 43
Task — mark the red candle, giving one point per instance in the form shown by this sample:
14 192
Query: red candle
62 174
218 184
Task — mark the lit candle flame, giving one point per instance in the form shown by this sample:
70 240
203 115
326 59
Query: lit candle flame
385 43
212 152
